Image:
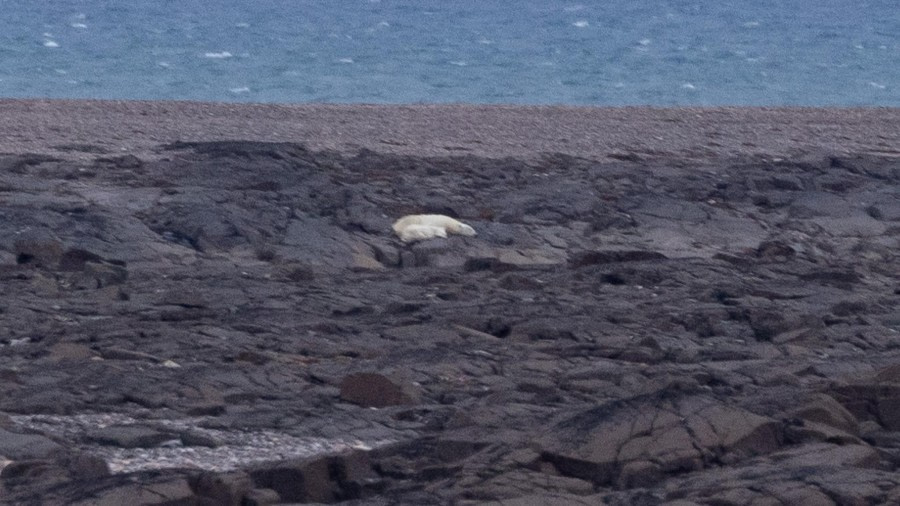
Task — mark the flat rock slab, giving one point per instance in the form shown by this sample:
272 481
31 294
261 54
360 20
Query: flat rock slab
632 445
16 446
130 436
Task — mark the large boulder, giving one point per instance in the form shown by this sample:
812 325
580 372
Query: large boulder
327 479
377 390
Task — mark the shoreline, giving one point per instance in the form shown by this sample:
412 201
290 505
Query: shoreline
103 128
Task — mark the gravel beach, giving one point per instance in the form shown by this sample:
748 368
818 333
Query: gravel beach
205 304
139 128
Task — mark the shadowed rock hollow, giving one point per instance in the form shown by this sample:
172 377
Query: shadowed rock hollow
618 332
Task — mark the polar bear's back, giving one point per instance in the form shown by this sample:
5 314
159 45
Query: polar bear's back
431 220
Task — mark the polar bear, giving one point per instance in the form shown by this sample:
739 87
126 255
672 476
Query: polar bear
417 227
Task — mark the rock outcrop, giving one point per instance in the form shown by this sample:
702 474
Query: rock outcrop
235 323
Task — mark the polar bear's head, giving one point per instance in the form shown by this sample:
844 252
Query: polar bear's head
461 229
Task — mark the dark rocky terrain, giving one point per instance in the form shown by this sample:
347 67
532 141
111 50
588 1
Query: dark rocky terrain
233 323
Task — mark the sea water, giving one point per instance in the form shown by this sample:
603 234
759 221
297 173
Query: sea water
617 52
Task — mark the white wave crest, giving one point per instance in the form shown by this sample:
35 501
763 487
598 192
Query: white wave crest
223 54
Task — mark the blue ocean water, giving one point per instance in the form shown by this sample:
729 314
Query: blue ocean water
617 52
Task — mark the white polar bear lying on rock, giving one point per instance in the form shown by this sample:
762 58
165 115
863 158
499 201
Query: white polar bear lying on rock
417 227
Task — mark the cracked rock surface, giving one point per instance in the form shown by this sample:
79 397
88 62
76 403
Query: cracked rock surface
233 322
